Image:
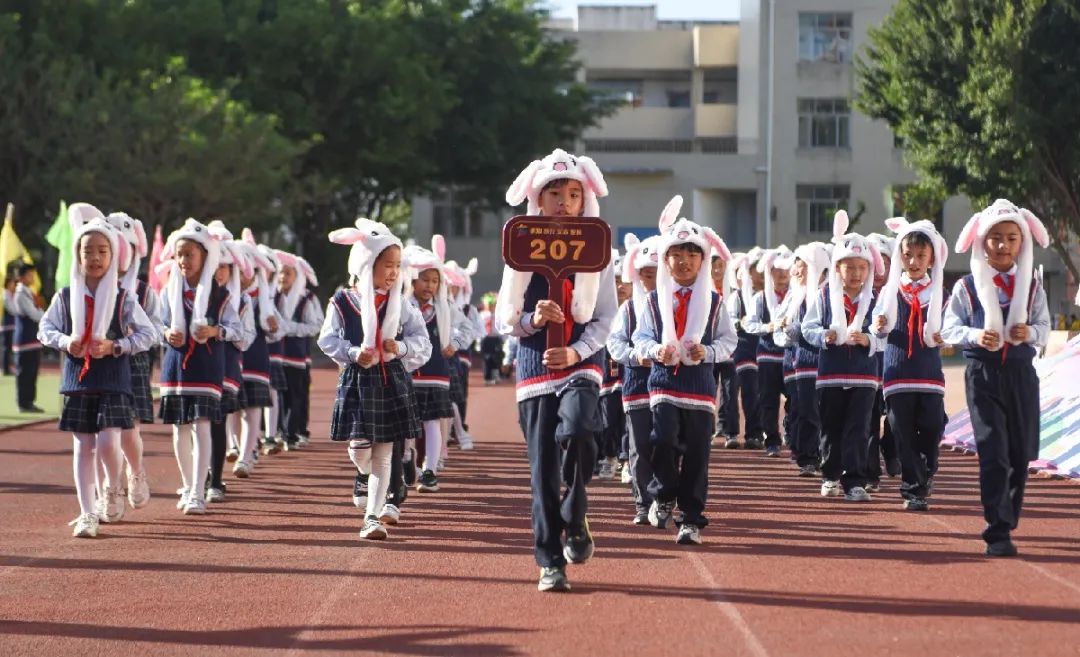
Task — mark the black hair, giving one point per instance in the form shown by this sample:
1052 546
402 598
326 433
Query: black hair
25 268
559 183
917 238
687 246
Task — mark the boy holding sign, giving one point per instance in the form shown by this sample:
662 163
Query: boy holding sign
558 387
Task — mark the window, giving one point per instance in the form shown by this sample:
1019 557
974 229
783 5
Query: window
825 37
824 123
629 92
678 98
817 204
454 219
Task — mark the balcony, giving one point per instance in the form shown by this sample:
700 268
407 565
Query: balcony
646 123
639 51
715 120
716 46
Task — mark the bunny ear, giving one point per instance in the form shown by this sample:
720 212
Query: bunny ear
967 235
163 268
218 230
896 224
309 273
522 185
438 246
472 267
1038 230
140 239
670 213
346 236
593 176
122 248
630 240
628 262
717 243
840 223
248 236
879 262
942 248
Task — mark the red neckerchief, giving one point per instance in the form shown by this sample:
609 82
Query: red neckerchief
380 301
851 308
915 316
682 304
567 302
88 326
1006 284
780 296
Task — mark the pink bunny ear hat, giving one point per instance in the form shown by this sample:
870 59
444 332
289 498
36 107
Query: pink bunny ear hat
256 264
194 231
304 275
133 232
421 259
527 187
230 255
887 300
816 257
639 255
674 232
105 295
369 239
461 278
972 237
850 245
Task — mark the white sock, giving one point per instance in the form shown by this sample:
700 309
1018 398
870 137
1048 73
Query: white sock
432 445
272 415
83 466
132 445
458 426
108 449
379 480
181 436
249 433
232 429
360 455
200 459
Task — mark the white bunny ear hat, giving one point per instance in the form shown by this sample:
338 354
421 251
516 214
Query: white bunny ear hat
972 237
421 259
105 295
887 300
816 257
192 231
674 232
230 255
527 187
884 244
369 239
639 255
779 258
850 245
461 278
304 275
133 232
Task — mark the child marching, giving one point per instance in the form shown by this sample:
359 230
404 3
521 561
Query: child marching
749 281
774 265
301 319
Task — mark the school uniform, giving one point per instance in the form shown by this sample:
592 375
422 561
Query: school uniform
913 387
192 374
770 364
373 403
465 336
683 402
883 442
746 374
431 382
98 391
25 346
1002 396
559 414
847 381
297 329
491 346
7 333
635 403
141 364
612 417
255 365
806 427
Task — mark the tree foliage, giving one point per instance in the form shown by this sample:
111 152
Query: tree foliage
984 94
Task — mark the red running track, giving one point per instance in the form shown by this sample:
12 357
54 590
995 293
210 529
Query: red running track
279 568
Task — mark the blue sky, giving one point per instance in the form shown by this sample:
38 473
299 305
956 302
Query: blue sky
667 9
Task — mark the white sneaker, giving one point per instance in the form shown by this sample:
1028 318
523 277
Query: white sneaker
138 490
115 505
627 477
465 442
195 507
184 494
86 526
606 472
232 455
830 488
215 495
390 514
101 508
304 439
373 529
242 470
442 462
857 494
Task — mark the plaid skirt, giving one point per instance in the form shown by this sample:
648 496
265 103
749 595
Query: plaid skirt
433 402
369 408
256 394
457 388
277 376
232 401
185 409
94 412
143 403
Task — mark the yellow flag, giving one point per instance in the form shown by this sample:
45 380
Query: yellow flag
11 248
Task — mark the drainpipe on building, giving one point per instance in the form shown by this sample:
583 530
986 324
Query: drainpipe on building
769 128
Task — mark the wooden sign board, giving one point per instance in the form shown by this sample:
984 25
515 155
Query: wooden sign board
556 247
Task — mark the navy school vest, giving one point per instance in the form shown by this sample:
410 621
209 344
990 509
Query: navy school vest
106 375
635 390
295 349
204 370
436 371
745 355
1018 353
686 386
256 363
845 366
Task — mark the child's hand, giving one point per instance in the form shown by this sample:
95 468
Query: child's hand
366 357
697 351
645 362
769 327
667 353
830 337
206 332
390 346
861 339
272 322
174 338
879 324
560 358
448 352
989 339
101 348
76 349
745 320
1020 332
937 339
547 311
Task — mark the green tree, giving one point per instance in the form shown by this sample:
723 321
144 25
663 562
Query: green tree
984 94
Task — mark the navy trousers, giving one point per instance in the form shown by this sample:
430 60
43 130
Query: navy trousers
883 440
682 441
770 387
807 424
747 383
845 434
639 425
27 364
727 413
614 422
917 421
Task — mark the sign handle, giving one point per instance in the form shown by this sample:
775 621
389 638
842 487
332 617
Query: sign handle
556 336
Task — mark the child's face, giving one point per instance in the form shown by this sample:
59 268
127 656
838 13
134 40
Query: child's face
683 264
1002 245
757 279
565 200
286 277
853 272
426 285
189 257
798 271
222 274
27 278
719 268
453 290
648 278
623 290
879 279
95 256
781 278
387 269
916 259
246 281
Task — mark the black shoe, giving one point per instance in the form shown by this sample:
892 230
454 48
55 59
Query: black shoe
892 466
553 579
809 470
1002 548
360 490
31 409
429 483
753 443
408 465
579 546
772 451
916 504
641 518
731 443
660 513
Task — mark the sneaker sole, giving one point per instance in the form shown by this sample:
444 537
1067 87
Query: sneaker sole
389 520
232 458
359 502
831 493
686 540
562 587
84 534
427 489
849 498
580 560
241 474
374 535
194 512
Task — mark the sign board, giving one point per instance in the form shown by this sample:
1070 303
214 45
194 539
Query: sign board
556 247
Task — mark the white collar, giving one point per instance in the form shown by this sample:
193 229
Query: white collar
906 280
